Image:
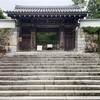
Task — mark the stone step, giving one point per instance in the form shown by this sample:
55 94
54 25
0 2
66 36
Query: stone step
50 82
16 66
50 87
49 77
55 54
50 66
54 62
58 63
48 59
50 93
58 55
50 70
50 56
48 73
51 98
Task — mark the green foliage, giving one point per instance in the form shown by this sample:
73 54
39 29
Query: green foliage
94 9
1 15
76 2
82 3
47 38
91 30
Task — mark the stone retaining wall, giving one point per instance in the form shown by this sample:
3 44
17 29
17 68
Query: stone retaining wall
91 42
86 42
80 40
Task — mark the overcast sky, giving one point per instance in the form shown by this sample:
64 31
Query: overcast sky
10 4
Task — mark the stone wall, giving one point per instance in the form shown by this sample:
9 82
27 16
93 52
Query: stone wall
80 40
14 41
86 42
91 42
9 23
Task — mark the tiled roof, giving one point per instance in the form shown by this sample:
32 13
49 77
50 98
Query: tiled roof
46 9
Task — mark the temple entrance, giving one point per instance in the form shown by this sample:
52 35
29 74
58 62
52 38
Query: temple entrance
47 39
61 20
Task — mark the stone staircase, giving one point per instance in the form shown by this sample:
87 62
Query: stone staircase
50 76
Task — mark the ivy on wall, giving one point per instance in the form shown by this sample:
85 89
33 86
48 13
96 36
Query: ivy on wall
92 31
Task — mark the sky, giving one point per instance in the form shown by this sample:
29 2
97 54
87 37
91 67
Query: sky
10 4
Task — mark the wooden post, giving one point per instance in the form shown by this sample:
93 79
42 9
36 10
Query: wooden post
99 41
33 41
62 39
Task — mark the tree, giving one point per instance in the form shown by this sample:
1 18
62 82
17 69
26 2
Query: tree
1 15
76 2
94 9
81 3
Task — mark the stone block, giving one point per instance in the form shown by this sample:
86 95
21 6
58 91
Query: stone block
13 49
13 43
81 46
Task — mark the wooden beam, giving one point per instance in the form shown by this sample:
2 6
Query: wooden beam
50 25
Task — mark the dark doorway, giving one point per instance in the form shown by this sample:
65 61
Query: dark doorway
45 38
69 40
69 43
25 44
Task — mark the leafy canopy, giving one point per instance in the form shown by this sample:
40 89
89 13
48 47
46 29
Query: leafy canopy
94 9
1 15
81 3
76 2
47 38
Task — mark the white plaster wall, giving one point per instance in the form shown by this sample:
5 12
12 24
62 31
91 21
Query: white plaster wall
90 22
5 23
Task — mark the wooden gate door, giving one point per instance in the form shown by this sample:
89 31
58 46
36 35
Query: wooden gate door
69 42
26 45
